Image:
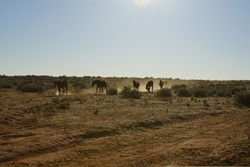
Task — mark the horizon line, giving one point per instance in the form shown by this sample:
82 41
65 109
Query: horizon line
119 77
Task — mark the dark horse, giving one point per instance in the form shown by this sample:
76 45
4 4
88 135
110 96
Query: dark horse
99 85
136 84
161 84
149 85
62 87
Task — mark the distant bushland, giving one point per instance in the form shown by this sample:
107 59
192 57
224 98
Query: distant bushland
31 88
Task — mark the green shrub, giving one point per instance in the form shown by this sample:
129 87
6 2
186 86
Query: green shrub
112 91
183 92
128 93
165 92
243 99
31 88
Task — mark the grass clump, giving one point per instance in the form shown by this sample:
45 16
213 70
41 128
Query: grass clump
243 99
112 91
128 93
165 92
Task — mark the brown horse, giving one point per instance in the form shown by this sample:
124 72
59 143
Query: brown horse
161 84
136 84
99 85
149 85
62 87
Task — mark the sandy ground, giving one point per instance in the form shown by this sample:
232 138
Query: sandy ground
94 130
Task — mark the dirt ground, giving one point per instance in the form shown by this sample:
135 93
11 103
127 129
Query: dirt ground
97 130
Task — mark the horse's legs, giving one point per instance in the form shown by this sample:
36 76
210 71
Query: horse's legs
152 88
64 91
96 89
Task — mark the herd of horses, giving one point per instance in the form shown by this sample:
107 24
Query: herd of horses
62 86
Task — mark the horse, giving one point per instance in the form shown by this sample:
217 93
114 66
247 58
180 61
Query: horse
62 87
136 84
99 85
161 84
149 85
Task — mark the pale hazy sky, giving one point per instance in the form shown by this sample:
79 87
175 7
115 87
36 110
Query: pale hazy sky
190 39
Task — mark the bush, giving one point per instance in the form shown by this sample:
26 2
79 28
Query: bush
243 99
135 94
199 93
31 88
165 92
128 93
112 91
183 92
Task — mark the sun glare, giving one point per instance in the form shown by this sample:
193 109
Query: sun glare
142 2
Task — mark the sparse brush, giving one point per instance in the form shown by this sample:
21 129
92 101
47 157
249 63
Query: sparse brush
243 99
165 92
112 91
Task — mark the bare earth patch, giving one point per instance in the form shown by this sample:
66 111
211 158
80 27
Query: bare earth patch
101 130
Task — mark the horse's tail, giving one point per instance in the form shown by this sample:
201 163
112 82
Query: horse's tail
105 85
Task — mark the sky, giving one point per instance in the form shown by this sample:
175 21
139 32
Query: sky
188 39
